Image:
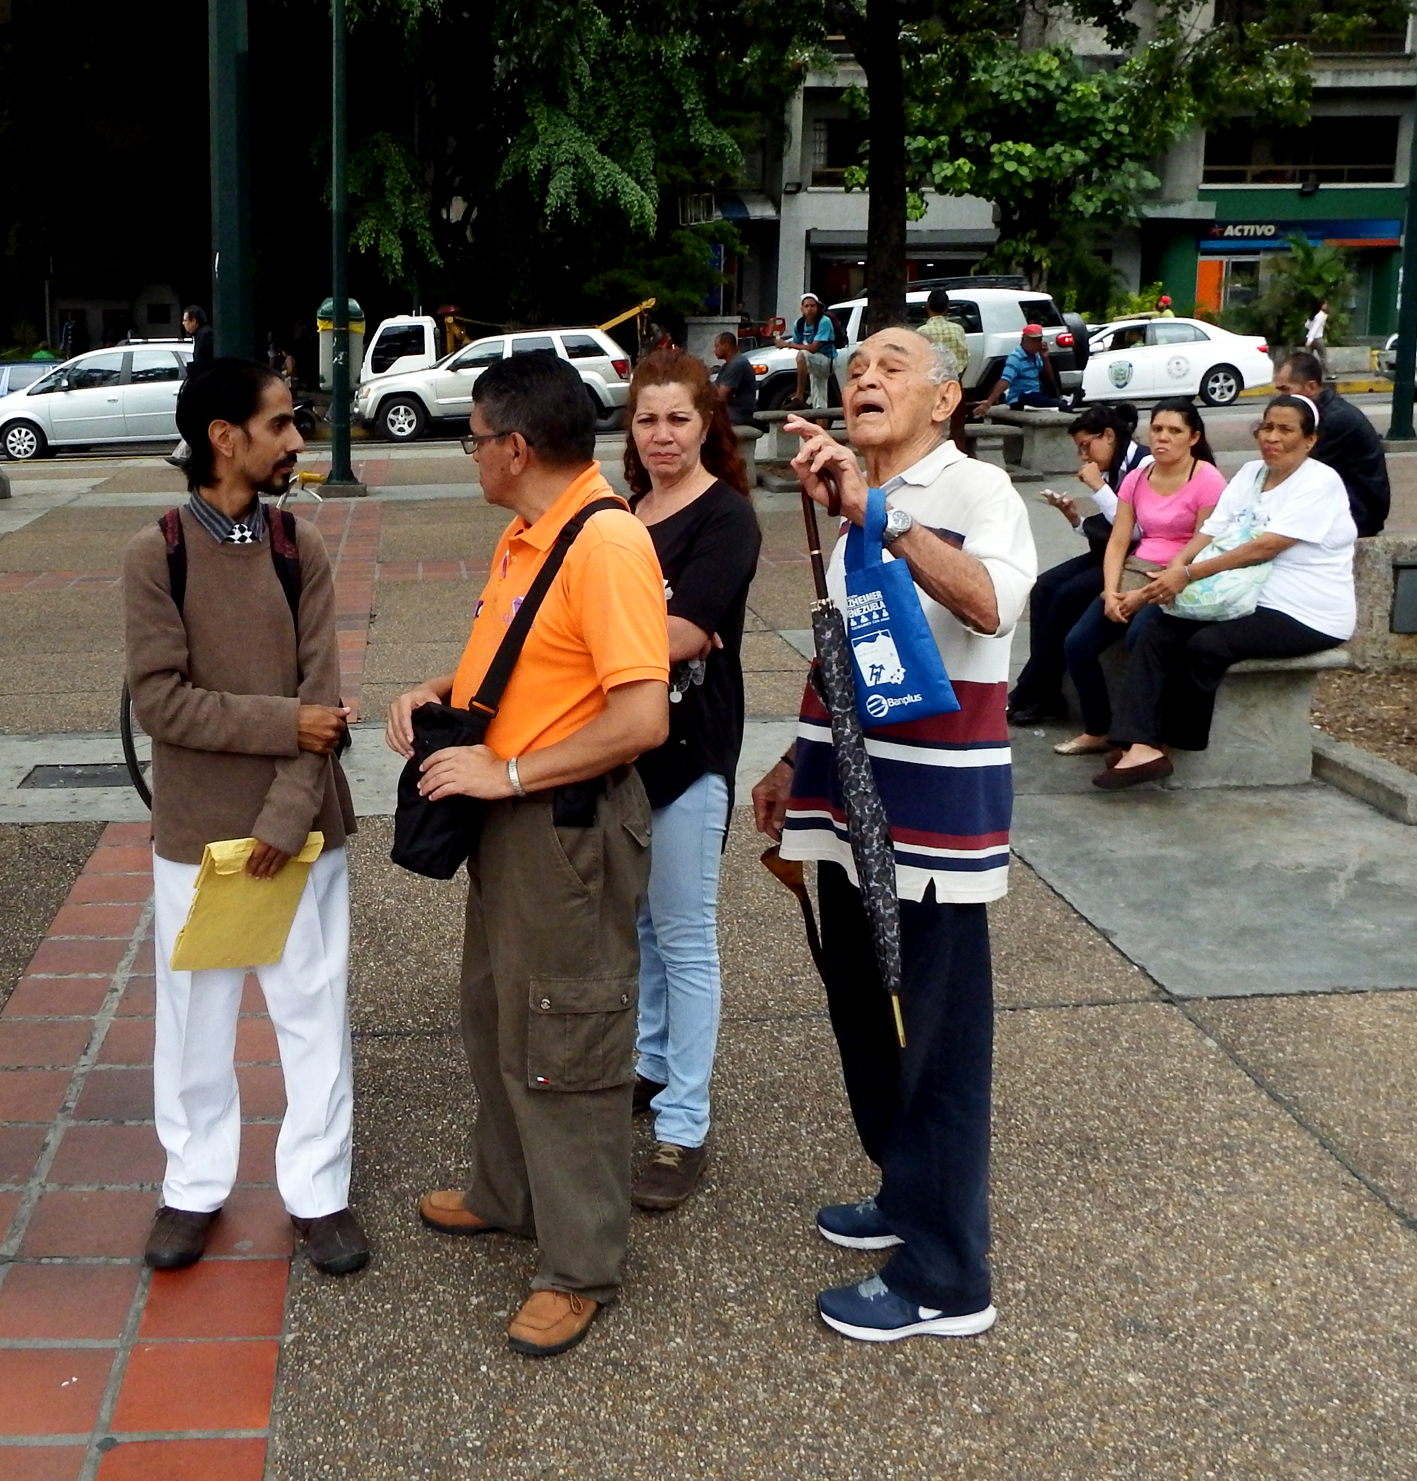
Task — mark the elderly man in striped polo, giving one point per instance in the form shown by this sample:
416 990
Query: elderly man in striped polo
922 1112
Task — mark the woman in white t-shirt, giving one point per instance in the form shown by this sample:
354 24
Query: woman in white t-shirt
1305 605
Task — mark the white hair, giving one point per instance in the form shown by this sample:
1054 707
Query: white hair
943 365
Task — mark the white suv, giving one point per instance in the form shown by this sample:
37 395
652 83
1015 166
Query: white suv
992 319
402 405
126 394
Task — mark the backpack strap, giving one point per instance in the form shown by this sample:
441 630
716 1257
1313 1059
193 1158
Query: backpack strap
171 526
499 671
285 556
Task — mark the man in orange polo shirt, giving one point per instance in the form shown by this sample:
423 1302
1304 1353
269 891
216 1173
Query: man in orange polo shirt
551 956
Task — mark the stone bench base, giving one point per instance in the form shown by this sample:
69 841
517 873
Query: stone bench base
1047 445
1001 446
1261 735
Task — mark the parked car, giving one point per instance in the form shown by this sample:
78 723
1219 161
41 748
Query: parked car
402 405
992 313
405 342
1387 357
124 394
1136 359
15 375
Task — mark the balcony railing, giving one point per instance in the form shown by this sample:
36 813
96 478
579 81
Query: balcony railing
1373 174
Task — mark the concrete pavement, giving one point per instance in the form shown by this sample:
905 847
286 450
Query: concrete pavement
1205 1207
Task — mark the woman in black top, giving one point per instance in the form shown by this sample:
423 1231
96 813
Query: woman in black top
690 488
1064 592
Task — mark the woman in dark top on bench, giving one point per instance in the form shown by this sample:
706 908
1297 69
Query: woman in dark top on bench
1062 594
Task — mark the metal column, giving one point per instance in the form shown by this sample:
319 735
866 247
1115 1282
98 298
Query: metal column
228 50
1400 428
341 480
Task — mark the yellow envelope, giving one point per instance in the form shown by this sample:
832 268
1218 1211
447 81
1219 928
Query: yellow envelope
237 920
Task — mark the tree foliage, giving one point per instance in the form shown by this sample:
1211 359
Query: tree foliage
1309 274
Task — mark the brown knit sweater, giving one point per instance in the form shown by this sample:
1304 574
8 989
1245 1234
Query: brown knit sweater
218 688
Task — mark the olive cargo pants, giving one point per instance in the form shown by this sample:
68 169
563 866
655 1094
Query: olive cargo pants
550 986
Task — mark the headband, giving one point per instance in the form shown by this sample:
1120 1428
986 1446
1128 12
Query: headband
1309 402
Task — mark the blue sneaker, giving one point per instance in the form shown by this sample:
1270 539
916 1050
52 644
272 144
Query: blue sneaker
858 1226
872 1312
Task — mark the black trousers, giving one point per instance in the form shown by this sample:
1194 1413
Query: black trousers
922 1112
1176 666
1060 596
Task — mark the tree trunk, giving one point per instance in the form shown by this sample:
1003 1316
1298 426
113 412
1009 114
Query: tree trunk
885 222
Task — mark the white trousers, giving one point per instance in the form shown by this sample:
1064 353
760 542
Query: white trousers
195 1095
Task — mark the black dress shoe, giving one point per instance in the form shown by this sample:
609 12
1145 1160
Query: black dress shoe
334 1242
177 1238
1035 714
645 1092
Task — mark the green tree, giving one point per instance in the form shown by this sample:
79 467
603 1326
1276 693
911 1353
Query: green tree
1309 274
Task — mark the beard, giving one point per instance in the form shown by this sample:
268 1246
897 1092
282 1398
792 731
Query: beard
277 481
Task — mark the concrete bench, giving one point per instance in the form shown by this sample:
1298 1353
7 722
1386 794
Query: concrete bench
1047 445
1001 446
748 446
781 447
1262 734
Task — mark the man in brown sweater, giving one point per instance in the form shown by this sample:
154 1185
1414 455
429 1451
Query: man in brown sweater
233 664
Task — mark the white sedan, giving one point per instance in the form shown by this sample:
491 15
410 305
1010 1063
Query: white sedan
1139 359
126 394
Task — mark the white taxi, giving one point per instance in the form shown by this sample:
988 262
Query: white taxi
1141 359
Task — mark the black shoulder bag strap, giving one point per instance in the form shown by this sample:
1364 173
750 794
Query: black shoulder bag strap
285 556
499 672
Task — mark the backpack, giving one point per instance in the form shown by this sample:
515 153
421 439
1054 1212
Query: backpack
285 556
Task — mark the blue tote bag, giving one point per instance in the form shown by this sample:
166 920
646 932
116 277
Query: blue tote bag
899 672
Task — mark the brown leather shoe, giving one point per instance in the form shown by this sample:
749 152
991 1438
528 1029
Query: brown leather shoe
335 1243
177 1238
550 1322
1115 778
672 1174
445 1211
643 1094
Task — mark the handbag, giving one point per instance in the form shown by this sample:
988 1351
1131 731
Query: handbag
1137 573
435 838
899 672
1236 592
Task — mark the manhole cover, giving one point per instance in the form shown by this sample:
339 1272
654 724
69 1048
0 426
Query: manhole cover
89 774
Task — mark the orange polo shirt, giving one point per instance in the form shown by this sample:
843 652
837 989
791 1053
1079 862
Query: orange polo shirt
602 623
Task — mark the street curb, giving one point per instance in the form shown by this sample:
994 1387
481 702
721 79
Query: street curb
1381 784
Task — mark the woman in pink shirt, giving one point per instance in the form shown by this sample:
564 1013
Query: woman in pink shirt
1168 499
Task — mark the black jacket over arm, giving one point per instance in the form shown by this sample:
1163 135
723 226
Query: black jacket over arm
1350 445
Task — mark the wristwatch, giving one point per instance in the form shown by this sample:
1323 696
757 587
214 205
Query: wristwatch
897 523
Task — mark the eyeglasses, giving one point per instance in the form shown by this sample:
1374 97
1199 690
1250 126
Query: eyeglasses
474 440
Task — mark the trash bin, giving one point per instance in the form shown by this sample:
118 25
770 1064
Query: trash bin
325 324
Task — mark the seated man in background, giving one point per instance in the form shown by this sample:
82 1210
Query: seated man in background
1348 441
1024 372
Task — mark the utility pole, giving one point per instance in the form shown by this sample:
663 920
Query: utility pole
341 482
1400 428
228 53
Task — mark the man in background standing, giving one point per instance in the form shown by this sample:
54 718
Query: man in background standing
940 329
203 337
736 384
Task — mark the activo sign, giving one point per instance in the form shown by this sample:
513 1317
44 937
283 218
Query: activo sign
1246 230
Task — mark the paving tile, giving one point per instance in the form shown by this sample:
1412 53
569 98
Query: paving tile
185 1460
32 1095
111 889
128 1041
256 1041
126 833
143 960
139 995
254 1222
197 1386
217 1298
116 1095
33 1045
262 1090
35 997
96 920
66 1301
9 1202
128 859
19 1151
44 1462
108 1223
51 1391
69 958
258 1153
108 1154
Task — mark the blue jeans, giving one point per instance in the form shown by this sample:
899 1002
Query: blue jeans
1092 635
679 980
